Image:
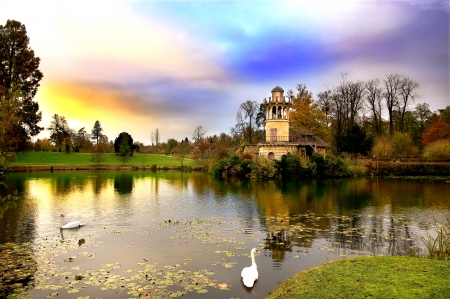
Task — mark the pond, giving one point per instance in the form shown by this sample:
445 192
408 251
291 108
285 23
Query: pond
171 234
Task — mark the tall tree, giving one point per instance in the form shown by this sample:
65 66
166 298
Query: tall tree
82 141
59 130
19 71
96 132
374 100
125 149
249 109
391 93
156 139
408 93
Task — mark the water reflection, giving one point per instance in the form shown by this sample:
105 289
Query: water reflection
164 216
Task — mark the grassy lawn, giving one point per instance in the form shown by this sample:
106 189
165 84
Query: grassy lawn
83 159
370 277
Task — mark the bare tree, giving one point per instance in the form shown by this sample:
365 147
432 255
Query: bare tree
156 139
374 100
249 109
152 138
408 93
198 134
325 104
391 93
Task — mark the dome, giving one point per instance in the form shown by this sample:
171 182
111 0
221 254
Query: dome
277 88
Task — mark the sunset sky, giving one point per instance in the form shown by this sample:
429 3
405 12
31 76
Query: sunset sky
173 65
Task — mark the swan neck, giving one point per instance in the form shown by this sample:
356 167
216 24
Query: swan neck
253 259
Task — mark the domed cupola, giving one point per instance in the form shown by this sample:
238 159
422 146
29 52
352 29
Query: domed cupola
277 89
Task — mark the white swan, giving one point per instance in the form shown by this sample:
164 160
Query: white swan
250 274
71 224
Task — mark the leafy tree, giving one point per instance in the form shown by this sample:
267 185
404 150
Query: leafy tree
356 141
119 140
403 144
307 114
82 141
9 122
439 128
19 71
171 144
96 132
125 148
59 130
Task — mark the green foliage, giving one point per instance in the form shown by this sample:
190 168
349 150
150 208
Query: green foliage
439 149
233 166
383 147
356 141
264 169
9 201
403 144
119 140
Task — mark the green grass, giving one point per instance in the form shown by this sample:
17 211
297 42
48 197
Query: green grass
370 277
83 159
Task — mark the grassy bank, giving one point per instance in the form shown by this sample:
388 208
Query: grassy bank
370 277
48 159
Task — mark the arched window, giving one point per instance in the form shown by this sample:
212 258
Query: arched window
271 156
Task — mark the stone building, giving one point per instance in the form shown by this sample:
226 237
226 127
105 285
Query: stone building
280 137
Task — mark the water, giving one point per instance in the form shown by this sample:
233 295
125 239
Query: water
171 234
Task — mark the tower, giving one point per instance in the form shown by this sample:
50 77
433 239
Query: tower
277 116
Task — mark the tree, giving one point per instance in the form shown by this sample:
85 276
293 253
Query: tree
198 134
96 132
82 141
307 114
408 93
19 71
125 148
9 122
59 130
356 141
249 109
119 140
182 151
374 100
391 93
156 139
171 144
97 153
439 128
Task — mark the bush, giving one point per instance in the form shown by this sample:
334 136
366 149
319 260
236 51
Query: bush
383 147
439 149
264 169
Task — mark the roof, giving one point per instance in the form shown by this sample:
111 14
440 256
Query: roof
277 88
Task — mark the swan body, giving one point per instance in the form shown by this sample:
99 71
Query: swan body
71 224
250 274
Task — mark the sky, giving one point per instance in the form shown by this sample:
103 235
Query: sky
137 66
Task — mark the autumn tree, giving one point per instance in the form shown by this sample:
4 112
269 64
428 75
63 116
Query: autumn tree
307 114
98 152
19 71
439 128
96 132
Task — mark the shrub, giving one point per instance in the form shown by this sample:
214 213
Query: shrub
403 144
383 147
439 149
264 169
